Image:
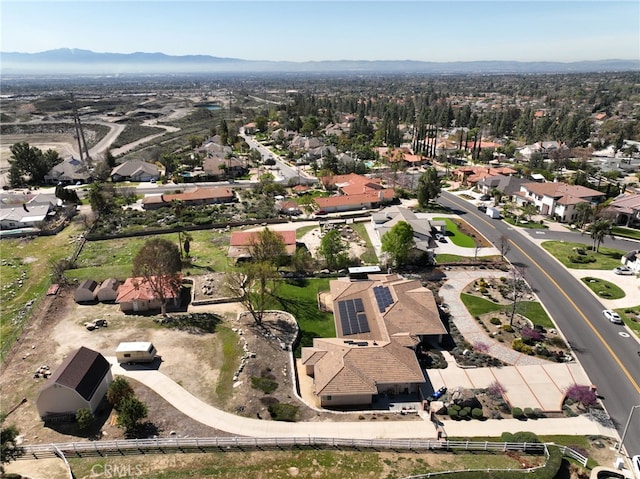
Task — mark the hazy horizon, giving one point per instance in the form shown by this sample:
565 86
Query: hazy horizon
316 30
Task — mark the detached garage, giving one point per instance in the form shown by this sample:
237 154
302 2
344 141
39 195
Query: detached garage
81 381
86 291
107 292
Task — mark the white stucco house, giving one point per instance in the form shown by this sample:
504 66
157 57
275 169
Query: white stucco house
557 200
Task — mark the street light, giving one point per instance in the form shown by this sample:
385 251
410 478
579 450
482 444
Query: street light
626 427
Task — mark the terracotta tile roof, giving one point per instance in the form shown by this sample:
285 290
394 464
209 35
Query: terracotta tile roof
241 242
357 199
139 289
244 238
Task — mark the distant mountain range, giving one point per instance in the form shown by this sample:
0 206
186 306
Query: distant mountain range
74 61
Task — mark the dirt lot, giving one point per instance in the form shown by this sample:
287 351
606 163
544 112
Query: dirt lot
192 359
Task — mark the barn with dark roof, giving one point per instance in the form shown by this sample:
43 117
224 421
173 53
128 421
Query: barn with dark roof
81 381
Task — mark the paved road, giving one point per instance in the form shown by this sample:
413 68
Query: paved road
606 351
286 171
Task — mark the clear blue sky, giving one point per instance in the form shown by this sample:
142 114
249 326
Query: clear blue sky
314 30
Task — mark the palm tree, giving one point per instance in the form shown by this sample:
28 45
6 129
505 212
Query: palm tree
584 213
598 230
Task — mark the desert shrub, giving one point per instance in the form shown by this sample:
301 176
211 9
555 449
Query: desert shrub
519 345
264 384
557 341
483 290
530 336
496 390
528 412
268 400
283 412
464 413
507 328
517 413
453 413
495 321
476 413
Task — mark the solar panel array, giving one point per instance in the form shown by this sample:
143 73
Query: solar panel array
383 297
352 317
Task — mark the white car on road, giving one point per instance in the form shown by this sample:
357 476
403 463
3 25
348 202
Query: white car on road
612 316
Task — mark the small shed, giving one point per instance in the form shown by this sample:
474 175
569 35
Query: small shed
108 290
81 381
86 291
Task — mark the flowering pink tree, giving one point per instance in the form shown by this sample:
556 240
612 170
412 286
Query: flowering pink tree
496 390
584 395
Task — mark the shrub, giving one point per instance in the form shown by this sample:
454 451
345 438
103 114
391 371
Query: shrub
517 413
528 412
84 418
518 345
265 384
495 321
283 412
507 328
496 390
464 413
131 411
118 391
557 342
476 413
530 335
585 395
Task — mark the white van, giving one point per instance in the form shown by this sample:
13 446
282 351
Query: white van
136 352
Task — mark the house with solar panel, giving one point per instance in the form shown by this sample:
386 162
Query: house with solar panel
379 323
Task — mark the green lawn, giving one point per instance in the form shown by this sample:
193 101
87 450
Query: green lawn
602 288
100 260
531 310
299 297
606 258
626 232
443 258
300 232
631 317
455 236
534 225
25 275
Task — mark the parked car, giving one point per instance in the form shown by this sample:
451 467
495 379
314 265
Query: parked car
482 208
440 237
612 316
623 270
438 394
